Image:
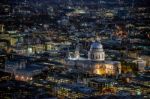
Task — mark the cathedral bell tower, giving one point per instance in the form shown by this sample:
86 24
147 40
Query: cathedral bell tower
77 51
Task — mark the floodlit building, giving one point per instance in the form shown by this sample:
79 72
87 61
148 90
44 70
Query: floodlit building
22 71
95 63
100 83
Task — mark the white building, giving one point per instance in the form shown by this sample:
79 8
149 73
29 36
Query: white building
95 63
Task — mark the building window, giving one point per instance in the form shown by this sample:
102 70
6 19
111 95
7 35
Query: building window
96 57
92 56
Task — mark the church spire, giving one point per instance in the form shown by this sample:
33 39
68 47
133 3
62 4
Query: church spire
77 50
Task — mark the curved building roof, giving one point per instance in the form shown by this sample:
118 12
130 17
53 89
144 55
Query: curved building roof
96 46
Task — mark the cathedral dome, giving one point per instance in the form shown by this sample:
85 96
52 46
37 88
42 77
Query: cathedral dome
96 52
96 46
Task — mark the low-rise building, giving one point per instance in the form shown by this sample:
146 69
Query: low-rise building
22 71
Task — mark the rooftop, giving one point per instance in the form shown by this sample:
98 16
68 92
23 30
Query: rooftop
78 88
102 80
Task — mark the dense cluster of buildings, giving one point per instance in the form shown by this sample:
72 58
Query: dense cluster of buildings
74 49
95 63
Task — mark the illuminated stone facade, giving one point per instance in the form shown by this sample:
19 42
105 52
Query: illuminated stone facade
22 71
95 63
96 52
